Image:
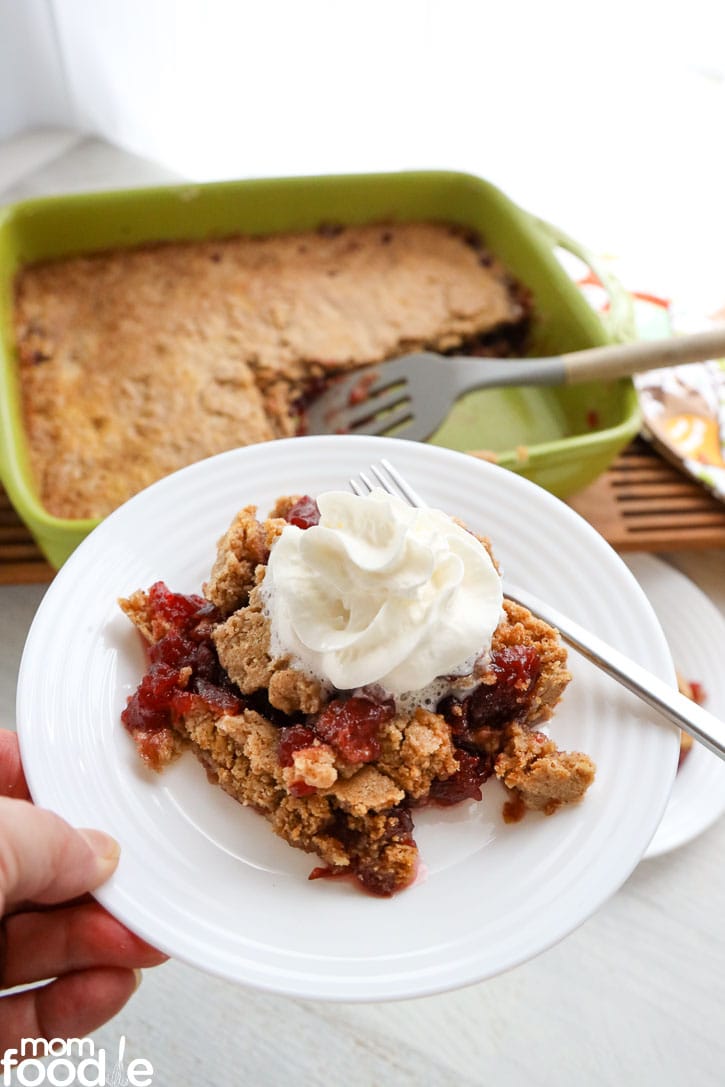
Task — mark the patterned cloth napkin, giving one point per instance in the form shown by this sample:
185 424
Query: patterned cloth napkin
683 407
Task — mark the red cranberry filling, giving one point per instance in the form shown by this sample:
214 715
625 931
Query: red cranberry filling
352 727
304 513
293 739
183 664
465 784
492 705
474 721
516 669
182 613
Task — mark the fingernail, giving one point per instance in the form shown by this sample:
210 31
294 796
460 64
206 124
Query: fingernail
139 978
103 845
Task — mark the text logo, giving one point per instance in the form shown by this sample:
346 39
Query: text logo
61 1062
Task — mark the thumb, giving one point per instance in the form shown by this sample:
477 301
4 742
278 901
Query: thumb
44 860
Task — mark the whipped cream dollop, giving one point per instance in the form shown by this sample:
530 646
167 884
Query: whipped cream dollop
380 593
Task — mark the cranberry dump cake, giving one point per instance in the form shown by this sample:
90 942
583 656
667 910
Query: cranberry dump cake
351 660
227 338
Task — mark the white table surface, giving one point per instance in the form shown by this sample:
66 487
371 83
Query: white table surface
635 996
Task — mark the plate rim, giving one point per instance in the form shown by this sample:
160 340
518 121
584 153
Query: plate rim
677 839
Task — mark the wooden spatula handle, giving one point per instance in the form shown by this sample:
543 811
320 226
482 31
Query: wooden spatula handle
622 360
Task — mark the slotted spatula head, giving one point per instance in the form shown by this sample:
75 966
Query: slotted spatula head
407 398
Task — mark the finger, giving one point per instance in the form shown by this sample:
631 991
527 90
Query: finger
70 1007
12 778
51 907
43 859
44 945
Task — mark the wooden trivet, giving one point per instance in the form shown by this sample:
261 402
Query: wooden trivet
20 559
642 503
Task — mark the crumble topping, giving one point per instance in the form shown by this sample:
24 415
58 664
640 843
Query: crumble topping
230 335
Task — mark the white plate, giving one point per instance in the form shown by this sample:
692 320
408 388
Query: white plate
695 630
206 880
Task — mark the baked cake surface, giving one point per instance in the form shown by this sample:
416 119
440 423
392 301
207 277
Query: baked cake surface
134 363
340 774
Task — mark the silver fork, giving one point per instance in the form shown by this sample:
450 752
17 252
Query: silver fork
678 709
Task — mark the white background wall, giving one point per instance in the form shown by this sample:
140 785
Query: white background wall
33 89
607 119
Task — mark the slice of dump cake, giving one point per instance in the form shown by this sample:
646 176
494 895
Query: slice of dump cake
351 660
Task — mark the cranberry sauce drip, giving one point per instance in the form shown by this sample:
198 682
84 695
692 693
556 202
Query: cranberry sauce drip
183 664
304 513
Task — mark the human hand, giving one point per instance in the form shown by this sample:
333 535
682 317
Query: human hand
51 927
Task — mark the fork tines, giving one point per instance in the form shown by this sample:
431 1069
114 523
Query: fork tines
388 478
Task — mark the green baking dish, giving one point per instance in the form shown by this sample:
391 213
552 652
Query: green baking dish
560 438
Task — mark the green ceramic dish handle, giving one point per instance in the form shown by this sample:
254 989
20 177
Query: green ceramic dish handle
619 318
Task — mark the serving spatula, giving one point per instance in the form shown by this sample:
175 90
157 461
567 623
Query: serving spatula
410 397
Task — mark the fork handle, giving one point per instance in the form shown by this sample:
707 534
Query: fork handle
678 709
622 360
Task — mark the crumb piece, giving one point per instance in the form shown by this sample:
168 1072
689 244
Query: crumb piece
242 643
243 547
136 607
315 766
542 777
158 747
292 691
308 823
416 751
386 858
694 691
367 790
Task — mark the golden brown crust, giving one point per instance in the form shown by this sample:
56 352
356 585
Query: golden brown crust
416 750
134 363
136 608
243 547
543 777
242 643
